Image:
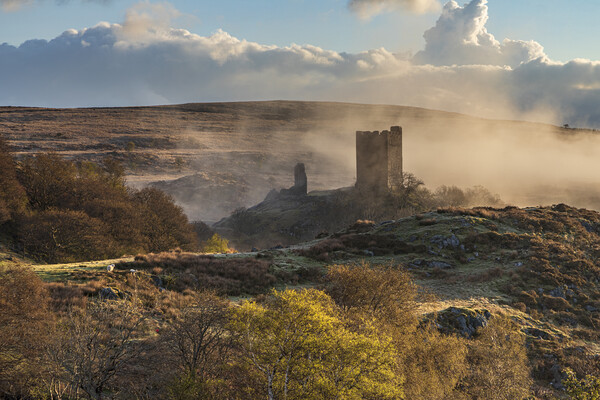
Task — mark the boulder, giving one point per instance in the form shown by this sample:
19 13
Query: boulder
109 293
463 321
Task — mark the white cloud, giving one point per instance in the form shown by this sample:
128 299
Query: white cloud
369 8
146 62
461 38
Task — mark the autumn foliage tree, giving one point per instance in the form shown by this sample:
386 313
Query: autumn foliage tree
300 346
24 321
12 195
82 211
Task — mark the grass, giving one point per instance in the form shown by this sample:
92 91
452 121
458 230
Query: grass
64 272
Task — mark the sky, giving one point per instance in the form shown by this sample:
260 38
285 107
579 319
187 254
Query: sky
533 59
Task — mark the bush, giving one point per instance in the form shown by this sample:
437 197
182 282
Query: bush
85 211
216 244
498 364
383 292
24 322
12 195
587 388
165 224
231 276
67 236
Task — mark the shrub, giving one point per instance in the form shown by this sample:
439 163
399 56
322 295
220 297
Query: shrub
24 321
165 224
498 364
587 388
384 292
12 195
231 276
216 244
55 235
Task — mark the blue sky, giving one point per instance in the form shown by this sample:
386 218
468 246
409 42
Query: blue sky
567 30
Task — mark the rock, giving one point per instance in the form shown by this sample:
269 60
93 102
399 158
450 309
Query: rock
538 333
588 227
443 242
157 281
464 321
557 292
518 264
440 264
559 376
108 293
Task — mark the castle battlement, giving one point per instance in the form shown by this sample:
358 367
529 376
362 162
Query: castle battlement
379 160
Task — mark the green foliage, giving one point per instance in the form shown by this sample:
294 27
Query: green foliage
299 344
216 244
587 388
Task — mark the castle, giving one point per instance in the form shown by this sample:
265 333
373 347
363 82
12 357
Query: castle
379 161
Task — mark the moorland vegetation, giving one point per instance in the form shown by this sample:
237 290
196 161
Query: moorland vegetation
56 210
356 336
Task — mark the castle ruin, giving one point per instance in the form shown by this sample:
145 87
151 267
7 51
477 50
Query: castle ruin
379 161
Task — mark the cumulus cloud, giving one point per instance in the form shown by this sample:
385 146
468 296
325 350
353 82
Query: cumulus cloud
461 38
369 8
146 61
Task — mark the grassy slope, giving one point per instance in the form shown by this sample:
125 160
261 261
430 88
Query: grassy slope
537 265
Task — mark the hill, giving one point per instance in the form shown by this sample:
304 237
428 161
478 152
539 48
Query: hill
217 157
537 265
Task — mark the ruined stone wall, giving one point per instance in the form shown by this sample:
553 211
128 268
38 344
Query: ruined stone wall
379 160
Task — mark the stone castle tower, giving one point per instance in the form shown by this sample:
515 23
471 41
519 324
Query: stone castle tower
379 161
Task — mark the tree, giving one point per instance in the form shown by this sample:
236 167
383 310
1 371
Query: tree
91 347
24 321
302 349
216 244
432 363
383 292
498 364
64 235
197 335
410 184
13 199
165 224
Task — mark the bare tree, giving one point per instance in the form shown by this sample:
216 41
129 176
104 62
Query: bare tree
198 334
90 348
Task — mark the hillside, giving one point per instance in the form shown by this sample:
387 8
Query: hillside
538 265
230 155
